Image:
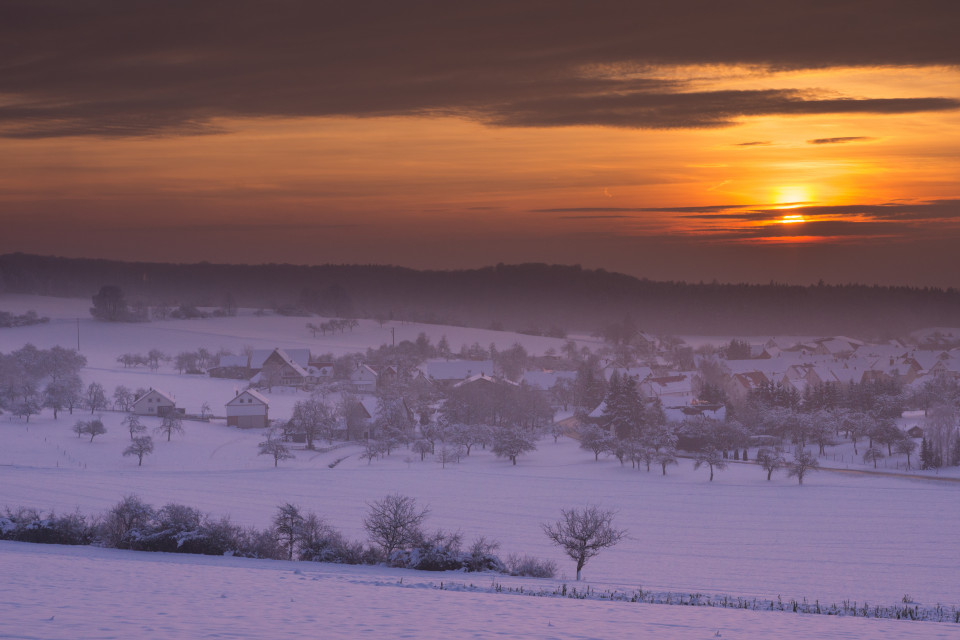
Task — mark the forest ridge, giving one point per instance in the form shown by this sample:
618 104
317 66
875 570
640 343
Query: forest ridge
525 297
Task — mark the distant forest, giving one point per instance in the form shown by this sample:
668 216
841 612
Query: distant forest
536 298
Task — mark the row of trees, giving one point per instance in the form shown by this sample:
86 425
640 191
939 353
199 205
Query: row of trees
394 526
333 326
9 320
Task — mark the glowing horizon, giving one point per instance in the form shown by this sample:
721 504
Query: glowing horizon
640 160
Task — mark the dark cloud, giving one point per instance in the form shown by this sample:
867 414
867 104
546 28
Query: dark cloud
838 140
891 218
948 209
600 217
841 229
756 143
710 208
148 67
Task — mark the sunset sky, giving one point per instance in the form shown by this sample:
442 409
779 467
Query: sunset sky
738 141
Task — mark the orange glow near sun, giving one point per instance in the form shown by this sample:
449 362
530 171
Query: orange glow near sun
792 196
792 219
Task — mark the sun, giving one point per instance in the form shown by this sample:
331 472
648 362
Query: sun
788 197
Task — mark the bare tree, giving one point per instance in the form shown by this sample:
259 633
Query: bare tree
96 397
171 424
141 446
666 457
92 428
448 454
134 425
122 398
584 533
711 457
803 463
394 522
275 448
770 460
872 455
906 446
288 524
314 419
511 442
596 439
372 450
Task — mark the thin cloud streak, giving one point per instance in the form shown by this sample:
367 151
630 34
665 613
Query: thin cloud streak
840 140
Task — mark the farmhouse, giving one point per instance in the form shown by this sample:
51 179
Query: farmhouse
248 410
281 368
155 403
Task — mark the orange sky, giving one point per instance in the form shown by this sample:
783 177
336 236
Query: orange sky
777 192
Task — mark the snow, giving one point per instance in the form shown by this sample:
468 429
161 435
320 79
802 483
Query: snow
108 593
841 536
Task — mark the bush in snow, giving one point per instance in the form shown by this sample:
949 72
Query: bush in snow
331 546
518 565
442 552
29 525
125 519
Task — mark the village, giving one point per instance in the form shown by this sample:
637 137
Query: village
621 393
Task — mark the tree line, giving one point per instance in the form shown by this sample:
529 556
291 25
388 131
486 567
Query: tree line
394 526
508 296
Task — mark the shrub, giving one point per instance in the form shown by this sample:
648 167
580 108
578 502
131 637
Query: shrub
29 525
530 566
333 547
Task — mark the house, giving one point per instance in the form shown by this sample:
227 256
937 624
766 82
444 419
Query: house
155 403
282 369
675 390
452 371
387 376
739 386
323 369
248 410
364 379
260 356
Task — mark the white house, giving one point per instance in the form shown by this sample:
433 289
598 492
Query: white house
154 403
364 379
248 410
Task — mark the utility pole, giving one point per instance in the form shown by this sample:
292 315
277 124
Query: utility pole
393 335
78 335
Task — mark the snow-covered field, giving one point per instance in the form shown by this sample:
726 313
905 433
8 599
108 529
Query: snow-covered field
51 593
839 537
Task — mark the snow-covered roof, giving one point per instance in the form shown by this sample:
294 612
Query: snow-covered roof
546 379
253 393
456 369
166 396
485 378
299 356
640 373
288 359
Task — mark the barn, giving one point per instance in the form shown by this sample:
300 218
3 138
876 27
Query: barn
248 410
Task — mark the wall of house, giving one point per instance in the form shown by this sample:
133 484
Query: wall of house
247 421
